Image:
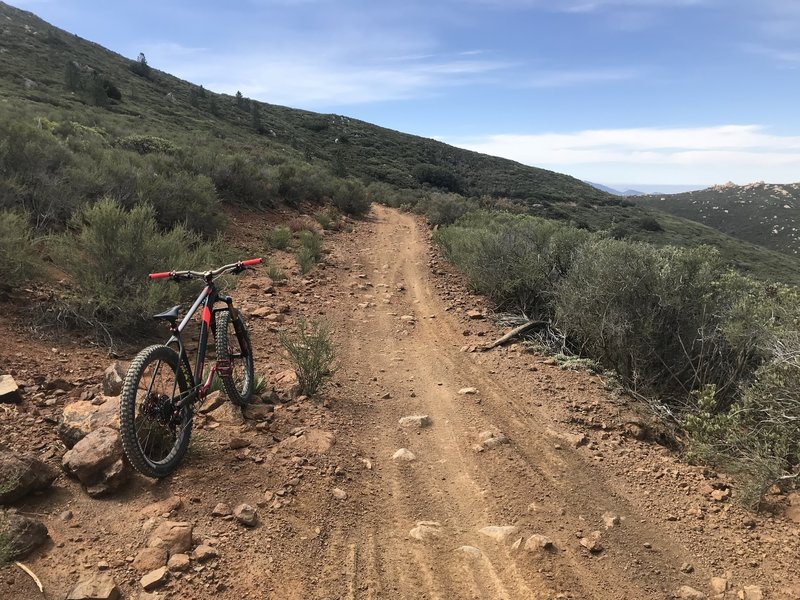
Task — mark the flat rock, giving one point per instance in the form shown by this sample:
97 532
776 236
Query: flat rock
238 443
82 417
96 461
113 378
339 494
469 391
751 592
490 439
9 390
258 412
155 579
416 421
475 314
226 413
24 534
174 536
246 515
501 533
719 585
98 586
22 474
404 454
425 530
150 559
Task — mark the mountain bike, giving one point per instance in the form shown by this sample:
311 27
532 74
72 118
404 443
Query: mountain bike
161 390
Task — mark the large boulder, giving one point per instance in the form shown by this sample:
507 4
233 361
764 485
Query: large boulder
21 475
96 461
23 534
81 418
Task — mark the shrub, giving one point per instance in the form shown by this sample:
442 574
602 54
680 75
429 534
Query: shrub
148 144
445 209
278 238
298 182
325 220
350 197
109 253
312 354
437 176
275 273
310 251
18 259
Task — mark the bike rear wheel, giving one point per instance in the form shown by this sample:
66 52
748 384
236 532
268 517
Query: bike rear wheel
155 437
233 346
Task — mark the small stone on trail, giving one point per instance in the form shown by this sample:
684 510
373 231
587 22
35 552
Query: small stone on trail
339 494
468 391
592 542
149 559
687 568
537 543
404 454
246 515
751 592
238 443
426 530
475 314
688 592
99 586
416 421
501 533
610 520
719 585
470 551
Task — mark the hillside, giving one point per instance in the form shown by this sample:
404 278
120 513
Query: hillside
759 213
103 110
35 56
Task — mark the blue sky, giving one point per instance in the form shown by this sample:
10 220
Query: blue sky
629 93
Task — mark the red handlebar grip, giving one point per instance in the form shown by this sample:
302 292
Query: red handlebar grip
251 261
158 275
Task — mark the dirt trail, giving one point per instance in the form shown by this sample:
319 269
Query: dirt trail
568 465
528 483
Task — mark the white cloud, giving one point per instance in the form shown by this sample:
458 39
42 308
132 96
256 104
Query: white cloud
708 155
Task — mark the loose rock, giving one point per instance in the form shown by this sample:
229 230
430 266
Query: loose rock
174 536
178 562
416 421
688 592
592 542
96 461
203 553
246 515
750 592
113 378
339 494
221 510
468 391
21 475
404 454
24 534
83 417
499 532
155 579
470 551
9 391
538 543
99 586
150 559
425 530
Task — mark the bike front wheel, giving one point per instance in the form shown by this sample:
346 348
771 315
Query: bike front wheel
155 432
234 357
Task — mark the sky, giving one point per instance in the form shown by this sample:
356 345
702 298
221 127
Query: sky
644 94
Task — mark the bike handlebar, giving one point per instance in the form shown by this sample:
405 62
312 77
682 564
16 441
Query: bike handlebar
236 267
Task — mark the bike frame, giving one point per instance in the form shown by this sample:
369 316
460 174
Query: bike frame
207 300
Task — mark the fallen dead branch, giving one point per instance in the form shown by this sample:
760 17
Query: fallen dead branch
33 576
513 333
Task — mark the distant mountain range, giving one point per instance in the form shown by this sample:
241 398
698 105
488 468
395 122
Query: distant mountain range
760 213
611 190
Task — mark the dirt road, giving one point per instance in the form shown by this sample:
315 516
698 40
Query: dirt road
530 485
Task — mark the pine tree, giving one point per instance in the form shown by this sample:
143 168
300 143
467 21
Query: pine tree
239 99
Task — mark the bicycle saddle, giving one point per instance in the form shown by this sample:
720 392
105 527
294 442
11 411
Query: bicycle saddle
170 315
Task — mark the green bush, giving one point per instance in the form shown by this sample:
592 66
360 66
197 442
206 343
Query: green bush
275 273
310 251
312 354
109 252
445 209
278 238
148 144
19 261
300 182
350 196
